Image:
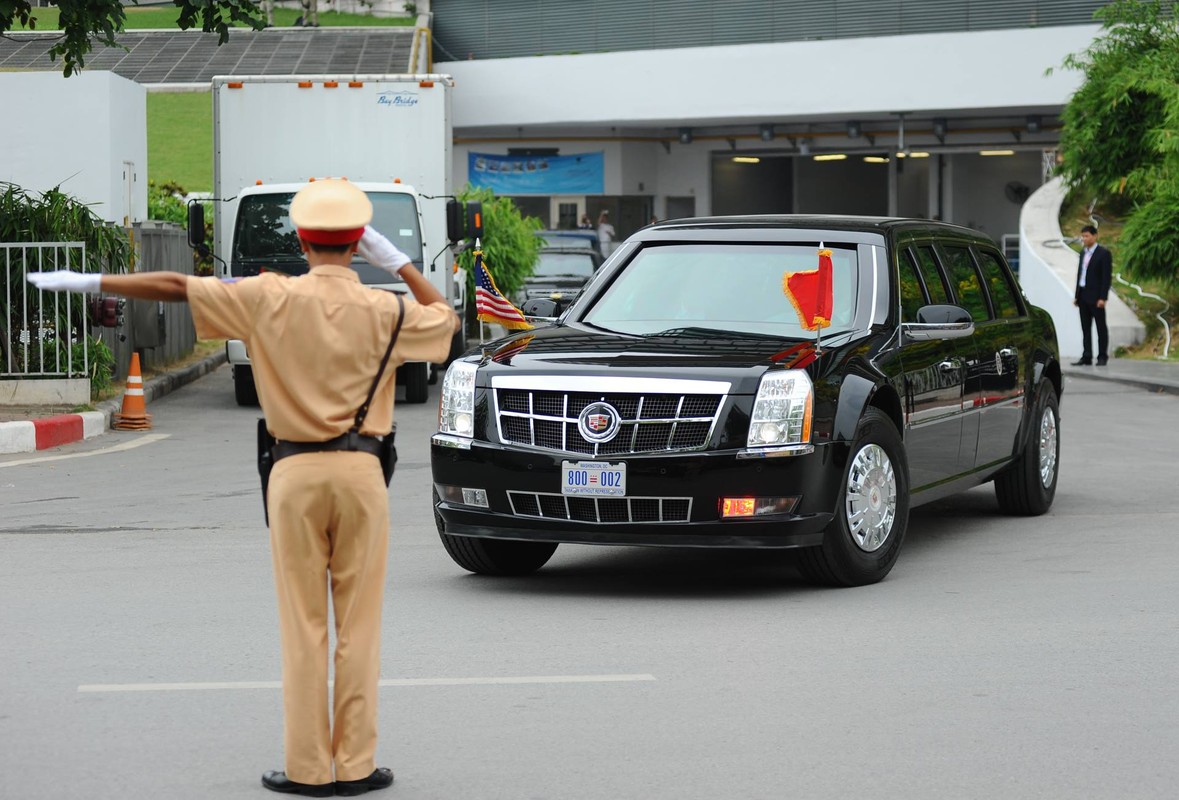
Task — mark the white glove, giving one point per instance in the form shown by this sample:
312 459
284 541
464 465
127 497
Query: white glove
63 280
380 252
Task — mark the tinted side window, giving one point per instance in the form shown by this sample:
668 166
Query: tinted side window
934 284
911 291
964 277
1004 297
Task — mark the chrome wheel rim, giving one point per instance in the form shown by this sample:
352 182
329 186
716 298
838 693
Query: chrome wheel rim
871 504
1048 438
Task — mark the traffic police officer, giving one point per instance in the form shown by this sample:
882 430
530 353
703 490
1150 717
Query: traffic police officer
315 344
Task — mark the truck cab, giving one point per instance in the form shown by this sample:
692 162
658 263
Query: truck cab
262 239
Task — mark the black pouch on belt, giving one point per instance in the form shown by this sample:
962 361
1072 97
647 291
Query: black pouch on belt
265 461
388 455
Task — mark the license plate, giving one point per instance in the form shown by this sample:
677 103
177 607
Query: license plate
596 478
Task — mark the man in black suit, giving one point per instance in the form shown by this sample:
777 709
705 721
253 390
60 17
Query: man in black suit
1094 273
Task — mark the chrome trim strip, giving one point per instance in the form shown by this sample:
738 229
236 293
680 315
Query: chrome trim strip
875 285
600 384
447 440
777 452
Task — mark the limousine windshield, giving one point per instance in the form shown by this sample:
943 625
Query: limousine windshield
725 287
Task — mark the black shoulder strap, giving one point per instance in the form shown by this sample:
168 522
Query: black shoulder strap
363 412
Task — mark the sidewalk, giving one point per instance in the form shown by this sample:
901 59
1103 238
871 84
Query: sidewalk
24 429
1160 376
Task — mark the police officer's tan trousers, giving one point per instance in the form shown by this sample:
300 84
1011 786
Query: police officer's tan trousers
329 512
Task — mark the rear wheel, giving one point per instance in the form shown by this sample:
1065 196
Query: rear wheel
1028 486
244 390
864 539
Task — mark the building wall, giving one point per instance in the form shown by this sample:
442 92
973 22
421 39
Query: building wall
77 133
979 185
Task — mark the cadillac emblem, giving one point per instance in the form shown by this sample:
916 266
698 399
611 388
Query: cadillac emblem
598 422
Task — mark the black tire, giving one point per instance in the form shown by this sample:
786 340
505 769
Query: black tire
244 390
493 556
1028 487
857 558
417 382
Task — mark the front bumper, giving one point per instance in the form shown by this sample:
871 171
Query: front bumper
702 477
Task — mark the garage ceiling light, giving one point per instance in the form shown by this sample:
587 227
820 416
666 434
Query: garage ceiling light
747 159
913 155
875 160
831 157
996 152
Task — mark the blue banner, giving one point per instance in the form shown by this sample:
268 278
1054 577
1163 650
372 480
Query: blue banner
579 174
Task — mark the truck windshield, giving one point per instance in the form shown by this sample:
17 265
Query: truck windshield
265 239
721 287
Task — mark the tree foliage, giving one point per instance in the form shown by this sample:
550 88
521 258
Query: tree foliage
1120 141
84 22
510 248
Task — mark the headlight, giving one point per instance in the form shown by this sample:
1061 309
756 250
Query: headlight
782 410
456 409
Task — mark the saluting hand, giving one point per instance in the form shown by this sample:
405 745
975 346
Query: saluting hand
380 252
63 280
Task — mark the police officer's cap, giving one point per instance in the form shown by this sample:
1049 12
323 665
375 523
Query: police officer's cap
331 212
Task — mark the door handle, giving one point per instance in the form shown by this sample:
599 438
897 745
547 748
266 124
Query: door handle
949 365
1008 352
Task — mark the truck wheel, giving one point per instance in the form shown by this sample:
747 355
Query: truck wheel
417 382
1028 486
458 345
864 539
244 390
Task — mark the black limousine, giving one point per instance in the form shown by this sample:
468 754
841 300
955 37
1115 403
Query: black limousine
680 401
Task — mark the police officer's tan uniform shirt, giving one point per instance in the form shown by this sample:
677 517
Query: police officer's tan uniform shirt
315 344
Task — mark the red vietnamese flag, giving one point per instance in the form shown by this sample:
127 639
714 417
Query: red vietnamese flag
810 293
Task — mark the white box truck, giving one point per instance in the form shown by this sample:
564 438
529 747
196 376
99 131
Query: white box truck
389 134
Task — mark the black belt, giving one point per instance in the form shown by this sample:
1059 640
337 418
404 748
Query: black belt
353 442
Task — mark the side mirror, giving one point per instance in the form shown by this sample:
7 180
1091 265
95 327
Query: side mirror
196 228
935 322
463 221
540 307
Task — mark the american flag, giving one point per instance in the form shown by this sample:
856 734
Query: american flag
490 305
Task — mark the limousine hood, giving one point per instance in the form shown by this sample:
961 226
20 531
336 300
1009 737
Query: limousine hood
686 353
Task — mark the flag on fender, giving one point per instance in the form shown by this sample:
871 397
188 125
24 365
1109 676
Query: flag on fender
811 293
490 304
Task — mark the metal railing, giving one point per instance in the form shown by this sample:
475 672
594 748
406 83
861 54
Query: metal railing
41 333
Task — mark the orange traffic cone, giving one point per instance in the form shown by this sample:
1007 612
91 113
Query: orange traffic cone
134 416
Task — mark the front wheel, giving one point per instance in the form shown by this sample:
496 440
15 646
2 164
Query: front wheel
497 556
1028 486
864 539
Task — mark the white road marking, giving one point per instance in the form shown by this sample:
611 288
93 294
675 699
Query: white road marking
504 681
115 448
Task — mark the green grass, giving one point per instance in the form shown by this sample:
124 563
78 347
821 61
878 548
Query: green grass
180 139
142 18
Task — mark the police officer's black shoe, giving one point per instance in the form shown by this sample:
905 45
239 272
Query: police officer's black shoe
381 778
279 782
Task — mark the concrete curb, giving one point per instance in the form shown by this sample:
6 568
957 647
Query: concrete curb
40 434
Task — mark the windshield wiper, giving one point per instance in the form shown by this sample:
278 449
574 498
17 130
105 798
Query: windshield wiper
699 331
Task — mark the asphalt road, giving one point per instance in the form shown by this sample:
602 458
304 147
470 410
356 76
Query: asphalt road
1002 658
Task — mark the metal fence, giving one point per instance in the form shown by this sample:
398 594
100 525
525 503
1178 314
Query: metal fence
42 334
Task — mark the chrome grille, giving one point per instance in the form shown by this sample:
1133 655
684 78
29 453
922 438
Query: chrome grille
600 509
651 422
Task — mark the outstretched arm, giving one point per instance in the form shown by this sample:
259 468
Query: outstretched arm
168 286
